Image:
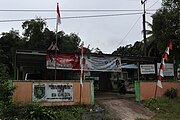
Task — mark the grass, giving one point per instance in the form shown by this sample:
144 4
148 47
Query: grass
36 112
165 108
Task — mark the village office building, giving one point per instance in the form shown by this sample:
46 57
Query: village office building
38 65
35 75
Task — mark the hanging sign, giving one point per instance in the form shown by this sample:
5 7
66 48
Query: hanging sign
102 63
147 69
168 69
52 92
63 61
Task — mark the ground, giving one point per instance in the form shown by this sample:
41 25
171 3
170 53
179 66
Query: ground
122 106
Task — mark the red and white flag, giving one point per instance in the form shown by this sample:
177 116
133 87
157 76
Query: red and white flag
162 65
58 14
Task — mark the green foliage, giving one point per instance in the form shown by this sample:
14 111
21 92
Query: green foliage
151 103
6 87
28 112
166 25
71 112
167 109
171 93
6 93
128 50
37 112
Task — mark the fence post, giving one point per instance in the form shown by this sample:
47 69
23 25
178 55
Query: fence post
137 90
92 92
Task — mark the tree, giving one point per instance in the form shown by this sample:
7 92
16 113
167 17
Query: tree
152 48
129 50
69 43
166 22
9 42
33 33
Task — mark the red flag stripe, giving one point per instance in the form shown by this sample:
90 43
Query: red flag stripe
162 66
58 14
165 56
159 77
170 45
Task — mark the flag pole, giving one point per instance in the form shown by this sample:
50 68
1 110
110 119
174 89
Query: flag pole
162 66
56 32
55 72
81 74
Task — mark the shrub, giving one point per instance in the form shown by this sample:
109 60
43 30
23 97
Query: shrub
36 112
171 93
6 87
151 103
27 112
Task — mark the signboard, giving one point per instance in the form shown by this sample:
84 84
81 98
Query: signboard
147 69
168 69
63 61
102 63
52 92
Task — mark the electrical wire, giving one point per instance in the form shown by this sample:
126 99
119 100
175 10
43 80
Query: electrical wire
75 17
153 5
128 32
135 24
80 10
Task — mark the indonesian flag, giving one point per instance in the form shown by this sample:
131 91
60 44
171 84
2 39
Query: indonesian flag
161 69
58 15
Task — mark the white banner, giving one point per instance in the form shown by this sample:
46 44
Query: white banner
102 63
147 69
168 69
52 92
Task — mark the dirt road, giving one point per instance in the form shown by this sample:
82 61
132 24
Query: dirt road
122 106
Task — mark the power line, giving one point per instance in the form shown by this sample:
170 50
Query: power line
152 5
75 17
71 10
128 32
135 24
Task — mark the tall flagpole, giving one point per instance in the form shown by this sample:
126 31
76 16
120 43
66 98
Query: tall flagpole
55 72
56 48
81 74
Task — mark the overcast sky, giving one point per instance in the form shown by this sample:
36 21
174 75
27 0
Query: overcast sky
106 33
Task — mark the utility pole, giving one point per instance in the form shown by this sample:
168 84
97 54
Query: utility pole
144 27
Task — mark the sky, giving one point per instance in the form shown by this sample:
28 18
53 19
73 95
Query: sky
107 33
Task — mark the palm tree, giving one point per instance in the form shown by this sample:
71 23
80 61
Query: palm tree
152 48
